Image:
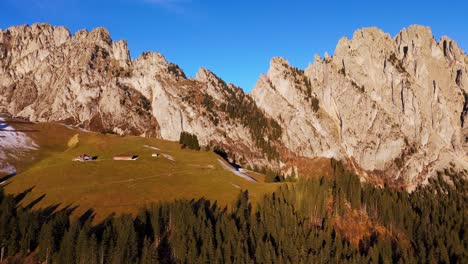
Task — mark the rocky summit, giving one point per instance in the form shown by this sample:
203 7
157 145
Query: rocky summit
394 109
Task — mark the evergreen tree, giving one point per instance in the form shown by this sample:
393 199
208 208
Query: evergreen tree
188 140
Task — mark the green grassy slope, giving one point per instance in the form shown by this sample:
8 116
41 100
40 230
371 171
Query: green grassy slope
121 186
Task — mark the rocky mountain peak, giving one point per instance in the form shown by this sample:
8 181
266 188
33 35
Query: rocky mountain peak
101 34
155 63
414 32
72 79
278 65
153 58
280 61
150 63
208 77
121 53
451 51
290 82
393 108
404 91
204 75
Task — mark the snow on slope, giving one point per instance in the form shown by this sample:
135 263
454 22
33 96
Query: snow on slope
230 168
12 144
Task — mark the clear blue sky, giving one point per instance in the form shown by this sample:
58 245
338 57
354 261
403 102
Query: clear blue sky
237 39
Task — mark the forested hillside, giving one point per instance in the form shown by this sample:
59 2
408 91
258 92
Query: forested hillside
329 219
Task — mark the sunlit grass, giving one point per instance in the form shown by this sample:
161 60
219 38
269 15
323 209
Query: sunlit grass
123 186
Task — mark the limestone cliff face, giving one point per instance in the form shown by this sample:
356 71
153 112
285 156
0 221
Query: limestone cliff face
394 107
48 75
198 106
88 80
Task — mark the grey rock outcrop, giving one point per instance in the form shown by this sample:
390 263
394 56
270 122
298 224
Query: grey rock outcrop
90 81
393 107
48 75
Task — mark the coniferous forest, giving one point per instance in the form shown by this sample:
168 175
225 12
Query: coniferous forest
188 140
325 220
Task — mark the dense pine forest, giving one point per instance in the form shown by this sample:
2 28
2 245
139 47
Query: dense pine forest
325 220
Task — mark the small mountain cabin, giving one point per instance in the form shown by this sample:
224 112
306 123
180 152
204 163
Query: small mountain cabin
125 157
85 157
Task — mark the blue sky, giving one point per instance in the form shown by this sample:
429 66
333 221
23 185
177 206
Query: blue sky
237 39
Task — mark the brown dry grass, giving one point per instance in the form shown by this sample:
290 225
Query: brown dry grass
122 186
307 167
355 226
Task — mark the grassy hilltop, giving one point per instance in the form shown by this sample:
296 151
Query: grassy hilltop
121 186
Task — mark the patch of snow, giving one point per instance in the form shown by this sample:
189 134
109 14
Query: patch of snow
169 157
6 168
239 173
14 140
155 148
12 144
